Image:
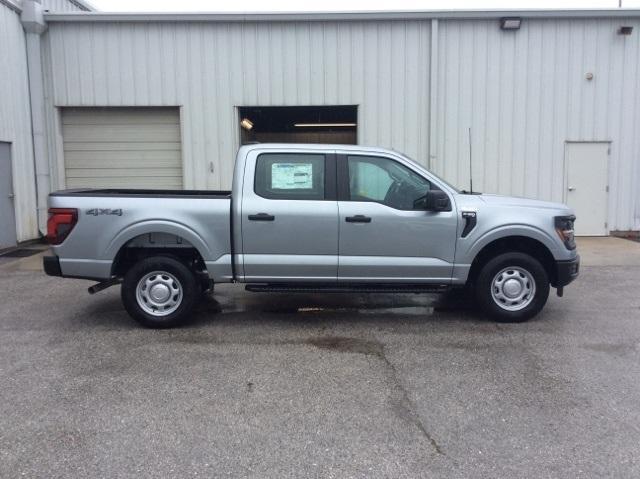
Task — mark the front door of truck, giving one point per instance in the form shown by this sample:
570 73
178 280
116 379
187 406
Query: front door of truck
289 217
385 235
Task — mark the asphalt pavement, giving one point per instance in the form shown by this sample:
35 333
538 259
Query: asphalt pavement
263 385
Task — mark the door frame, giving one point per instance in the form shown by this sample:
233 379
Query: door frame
565 174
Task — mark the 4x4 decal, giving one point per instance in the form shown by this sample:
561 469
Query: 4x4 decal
104 211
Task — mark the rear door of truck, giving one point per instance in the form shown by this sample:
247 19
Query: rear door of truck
289 216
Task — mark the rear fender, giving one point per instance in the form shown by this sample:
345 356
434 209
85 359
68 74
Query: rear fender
159 226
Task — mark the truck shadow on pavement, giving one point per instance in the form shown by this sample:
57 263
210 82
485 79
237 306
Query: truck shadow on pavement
232 305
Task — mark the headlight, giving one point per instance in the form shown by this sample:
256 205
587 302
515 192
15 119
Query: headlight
564 228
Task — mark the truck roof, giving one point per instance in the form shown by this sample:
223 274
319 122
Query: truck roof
314 146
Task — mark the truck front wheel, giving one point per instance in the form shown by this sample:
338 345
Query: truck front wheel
159 292
512 287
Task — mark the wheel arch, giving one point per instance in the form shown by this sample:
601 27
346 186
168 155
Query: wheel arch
515 243
156 238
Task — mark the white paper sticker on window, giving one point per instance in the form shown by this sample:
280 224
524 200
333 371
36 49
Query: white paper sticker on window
290 176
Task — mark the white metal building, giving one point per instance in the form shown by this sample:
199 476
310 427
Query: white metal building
156 100
18 204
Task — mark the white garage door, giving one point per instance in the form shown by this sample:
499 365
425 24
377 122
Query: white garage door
122 148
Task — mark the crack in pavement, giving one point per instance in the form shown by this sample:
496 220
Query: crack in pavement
404 407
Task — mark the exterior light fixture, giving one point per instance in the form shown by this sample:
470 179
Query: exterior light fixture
510 23
246 124
323 125
626 30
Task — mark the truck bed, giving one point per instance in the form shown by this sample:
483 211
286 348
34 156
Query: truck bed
108 220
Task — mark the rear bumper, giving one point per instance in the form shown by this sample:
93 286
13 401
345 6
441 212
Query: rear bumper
78 269
567 271
51 265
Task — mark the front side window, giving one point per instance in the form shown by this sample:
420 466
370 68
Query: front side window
382 180
290 176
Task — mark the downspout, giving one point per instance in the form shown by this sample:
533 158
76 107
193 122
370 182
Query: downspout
34 25
433 94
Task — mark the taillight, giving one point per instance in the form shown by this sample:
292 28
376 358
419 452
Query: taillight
61 222
564 228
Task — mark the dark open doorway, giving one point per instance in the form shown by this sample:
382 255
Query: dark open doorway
299 124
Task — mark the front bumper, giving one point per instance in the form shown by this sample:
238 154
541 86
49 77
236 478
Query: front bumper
51 265
567 271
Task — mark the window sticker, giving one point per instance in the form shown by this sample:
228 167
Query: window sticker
292 176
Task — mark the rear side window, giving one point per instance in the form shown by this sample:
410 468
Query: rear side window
290 176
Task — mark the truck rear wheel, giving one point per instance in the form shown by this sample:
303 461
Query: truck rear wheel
159 292
512 287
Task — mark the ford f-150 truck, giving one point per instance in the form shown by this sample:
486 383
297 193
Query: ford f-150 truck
309 218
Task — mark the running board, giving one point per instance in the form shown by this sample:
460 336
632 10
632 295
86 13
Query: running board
347 288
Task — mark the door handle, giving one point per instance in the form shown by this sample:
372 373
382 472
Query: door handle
11 196
262 217
572 188
358 219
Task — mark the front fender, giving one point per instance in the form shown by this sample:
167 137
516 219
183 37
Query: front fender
468 254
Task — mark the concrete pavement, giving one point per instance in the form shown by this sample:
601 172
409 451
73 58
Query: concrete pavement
263 385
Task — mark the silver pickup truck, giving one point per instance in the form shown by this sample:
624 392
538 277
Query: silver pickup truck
309 218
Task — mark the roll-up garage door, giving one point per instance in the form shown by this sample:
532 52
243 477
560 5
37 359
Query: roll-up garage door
122 148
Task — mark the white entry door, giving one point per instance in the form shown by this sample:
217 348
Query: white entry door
587 181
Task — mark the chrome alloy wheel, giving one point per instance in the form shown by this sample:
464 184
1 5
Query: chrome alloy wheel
513 288
159 293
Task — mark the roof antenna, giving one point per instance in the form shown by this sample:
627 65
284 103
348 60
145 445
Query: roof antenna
470 165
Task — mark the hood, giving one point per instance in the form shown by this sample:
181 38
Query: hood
521 202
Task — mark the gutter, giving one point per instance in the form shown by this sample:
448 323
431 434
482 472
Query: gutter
11 5
81 4
338 16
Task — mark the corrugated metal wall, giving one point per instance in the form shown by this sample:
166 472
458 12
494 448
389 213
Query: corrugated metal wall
524 93
15 120
208 69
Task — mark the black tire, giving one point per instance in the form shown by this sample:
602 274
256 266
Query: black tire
485 289
177 278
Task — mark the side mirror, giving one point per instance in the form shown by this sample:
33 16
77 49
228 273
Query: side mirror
437 200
